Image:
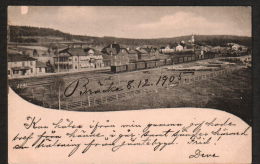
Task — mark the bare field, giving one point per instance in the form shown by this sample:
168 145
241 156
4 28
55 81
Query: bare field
231 93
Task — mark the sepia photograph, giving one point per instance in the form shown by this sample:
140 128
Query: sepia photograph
117 58
130 84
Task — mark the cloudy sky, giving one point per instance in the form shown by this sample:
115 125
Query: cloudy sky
135 22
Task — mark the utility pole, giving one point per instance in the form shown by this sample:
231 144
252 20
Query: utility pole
58 62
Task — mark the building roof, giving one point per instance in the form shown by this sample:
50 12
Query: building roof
62 55
122 54
180 46
38 48
79 51
236 45
20 68
76 51
125 49
88 48
96 52
19 57
109 51
108 57
73 51
114 48
189 46
40 64
13 51
142 51
147 49
132 51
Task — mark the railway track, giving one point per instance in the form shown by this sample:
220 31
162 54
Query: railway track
37 81
48 80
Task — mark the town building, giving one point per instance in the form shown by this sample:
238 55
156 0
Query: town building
152 51
20 65
41 53
179 47
40 68
132 54
115 55
77 59
168 49
235 47
142 54
111 49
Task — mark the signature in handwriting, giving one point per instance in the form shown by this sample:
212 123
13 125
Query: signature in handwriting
199 154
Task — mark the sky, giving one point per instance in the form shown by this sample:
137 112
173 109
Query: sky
135 21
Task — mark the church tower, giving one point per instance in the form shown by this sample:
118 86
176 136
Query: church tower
192 38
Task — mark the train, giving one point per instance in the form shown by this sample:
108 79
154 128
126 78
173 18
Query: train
154 63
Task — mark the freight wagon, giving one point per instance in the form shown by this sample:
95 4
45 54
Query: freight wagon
140 65
131 67
168 61
120 68
148 64
160 63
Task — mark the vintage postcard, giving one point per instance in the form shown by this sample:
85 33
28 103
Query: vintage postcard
129 84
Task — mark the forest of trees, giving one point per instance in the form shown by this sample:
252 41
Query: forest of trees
22 34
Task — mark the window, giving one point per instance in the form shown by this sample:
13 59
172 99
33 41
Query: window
23 64
75 59
40 69
76 67
31 63
15 72
8 72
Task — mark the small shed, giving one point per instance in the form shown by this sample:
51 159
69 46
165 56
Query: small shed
40 67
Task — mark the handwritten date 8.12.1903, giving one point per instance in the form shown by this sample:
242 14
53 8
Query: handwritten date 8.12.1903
86 86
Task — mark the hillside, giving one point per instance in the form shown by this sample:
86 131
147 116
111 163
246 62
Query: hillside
26 34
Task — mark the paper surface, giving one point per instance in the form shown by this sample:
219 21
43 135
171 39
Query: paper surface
176 135
129 84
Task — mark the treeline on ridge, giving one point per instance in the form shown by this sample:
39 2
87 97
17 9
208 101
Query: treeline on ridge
27 34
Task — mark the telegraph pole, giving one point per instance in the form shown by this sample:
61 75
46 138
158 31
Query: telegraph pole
58 62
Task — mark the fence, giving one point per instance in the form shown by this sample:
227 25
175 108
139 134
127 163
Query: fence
99 100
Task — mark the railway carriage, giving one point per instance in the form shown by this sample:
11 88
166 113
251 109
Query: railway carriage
131 67
140 65
160 63
193 58
185 59
119 68
180 60
175 60
168 61
148 64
